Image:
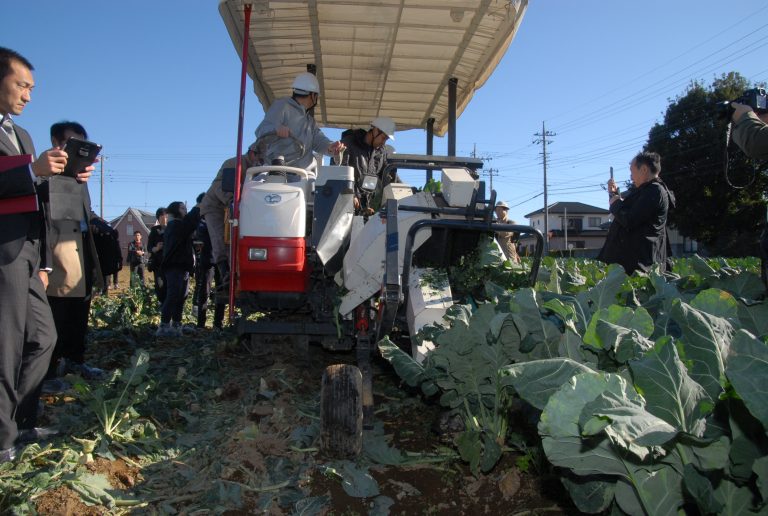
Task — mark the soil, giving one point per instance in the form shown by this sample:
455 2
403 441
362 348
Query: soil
63 501
262 406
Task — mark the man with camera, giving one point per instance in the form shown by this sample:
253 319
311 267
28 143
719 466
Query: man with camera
637 237
750 132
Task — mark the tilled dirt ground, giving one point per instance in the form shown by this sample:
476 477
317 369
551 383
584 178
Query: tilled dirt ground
242 455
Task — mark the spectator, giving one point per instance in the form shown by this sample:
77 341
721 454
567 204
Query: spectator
108 249
155 246
75 269
178 262
637 237
27 330
136 259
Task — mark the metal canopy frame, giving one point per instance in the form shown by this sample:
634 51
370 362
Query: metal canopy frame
375 57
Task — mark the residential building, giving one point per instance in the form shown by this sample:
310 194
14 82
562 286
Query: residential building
573 226
580 229
133 219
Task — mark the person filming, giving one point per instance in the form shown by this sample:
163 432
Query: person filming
637 237
750 132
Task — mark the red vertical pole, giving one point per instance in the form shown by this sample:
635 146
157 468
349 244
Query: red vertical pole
239 165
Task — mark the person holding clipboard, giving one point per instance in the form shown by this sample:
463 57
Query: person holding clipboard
74 269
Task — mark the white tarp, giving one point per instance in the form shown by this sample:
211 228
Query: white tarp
375 57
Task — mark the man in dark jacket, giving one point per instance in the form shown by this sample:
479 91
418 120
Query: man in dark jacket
155 248
638 237
107 243
367 155
178 262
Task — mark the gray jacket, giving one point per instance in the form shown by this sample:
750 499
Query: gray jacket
288 112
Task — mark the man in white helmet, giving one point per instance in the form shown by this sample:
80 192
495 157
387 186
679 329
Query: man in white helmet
367 154
290 119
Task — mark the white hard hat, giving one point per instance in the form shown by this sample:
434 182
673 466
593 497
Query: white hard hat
502 204
306 83
386 125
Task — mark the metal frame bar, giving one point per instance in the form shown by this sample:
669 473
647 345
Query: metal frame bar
239 164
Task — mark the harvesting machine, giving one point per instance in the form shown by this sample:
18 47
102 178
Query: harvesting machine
299 254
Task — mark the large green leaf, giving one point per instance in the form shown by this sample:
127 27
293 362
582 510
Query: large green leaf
747 370
406 367
700 488
627 423
560 428
657 491
536 381
525 333
736 500
716 302
743 284
744 450
754 318
705 342
708 456
590 496
605 292
670 392
761 471
622 344
571 346
356 480
625 317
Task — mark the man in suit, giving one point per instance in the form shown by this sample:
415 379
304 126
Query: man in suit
27 332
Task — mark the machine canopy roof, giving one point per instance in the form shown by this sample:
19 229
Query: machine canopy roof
375 57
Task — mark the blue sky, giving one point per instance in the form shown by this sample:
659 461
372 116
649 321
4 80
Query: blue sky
157 84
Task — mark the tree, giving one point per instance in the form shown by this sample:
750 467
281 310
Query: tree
723 212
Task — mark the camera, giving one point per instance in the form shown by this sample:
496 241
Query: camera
756 98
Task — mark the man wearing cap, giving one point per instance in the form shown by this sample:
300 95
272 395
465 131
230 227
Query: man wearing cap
506 239
367 154
297 133
214 208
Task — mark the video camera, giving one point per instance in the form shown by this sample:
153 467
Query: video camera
756 98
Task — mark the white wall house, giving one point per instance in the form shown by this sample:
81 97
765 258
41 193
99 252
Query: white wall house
581 229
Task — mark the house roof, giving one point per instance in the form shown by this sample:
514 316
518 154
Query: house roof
573 208
146 219
375 57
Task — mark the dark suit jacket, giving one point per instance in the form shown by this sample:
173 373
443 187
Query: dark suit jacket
16 228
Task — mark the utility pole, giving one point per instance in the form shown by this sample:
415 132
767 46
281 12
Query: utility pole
492 172
542 139
101 197
565 229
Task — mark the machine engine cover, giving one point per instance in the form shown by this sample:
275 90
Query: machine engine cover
273 210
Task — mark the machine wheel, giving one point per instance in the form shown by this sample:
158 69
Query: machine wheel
341 411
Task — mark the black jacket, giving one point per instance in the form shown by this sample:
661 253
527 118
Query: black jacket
107 242
154 238
178 251
366 160
638 236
